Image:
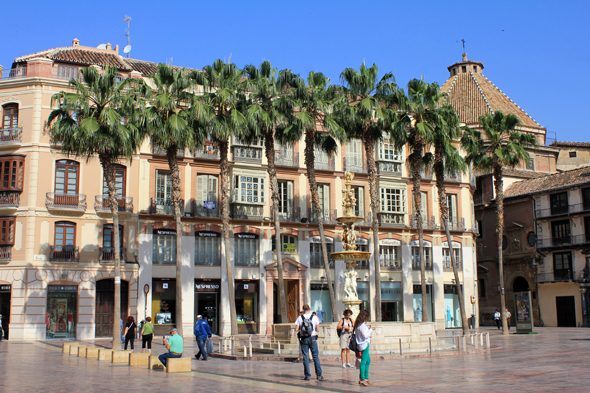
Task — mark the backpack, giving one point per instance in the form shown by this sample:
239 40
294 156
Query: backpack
353 346
339 331
306 327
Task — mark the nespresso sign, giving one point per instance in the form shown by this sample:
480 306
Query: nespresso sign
208 234
164 232
246 236
206 286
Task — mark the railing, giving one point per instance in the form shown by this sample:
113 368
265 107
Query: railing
361 264
457 224
65 201
164 206
102 204
9 199
355 164
286 158
317 260
13 73
329 217
293 215
427 222
209 152
562 210
67 73
448 265
416 263
478 199
200 211
168 258
392 219
390 262
247 212
325 165
252 154
565 241
64 254
455 178
10 135
107 254
5 253
158 150
389 168
248 261
557 276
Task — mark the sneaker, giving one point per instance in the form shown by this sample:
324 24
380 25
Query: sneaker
349 365
344 366
307 379
320 377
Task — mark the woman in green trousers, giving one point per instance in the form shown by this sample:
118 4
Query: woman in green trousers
363 340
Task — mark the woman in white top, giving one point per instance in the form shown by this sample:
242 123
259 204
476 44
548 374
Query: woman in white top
345 328
363 339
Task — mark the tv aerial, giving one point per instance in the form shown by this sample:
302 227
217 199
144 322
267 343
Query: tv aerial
127 48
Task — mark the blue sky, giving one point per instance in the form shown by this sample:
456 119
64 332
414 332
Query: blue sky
537 52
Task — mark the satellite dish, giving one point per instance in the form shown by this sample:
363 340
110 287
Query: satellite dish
127 49
102 46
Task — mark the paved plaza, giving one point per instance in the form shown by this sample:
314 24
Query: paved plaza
554 359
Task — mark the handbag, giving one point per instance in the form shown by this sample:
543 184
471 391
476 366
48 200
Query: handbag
353 346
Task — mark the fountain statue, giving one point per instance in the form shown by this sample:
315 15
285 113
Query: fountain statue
350 255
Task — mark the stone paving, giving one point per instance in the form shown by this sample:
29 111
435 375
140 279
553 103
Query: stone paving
554 359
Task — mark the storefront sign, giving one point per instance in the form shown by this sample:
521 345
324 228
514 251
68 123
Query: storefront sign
317 239
362 241
164 232
425 243
204 286
5 288
165 285
207 234
455 244
289 248
39 257
246 236
390 242
209 205
62 288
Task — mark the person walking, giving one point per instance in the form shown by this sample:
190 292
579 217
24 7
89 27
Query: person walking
307 328
130 331
147 335
344 330
202 334
174 345
498 319
363 340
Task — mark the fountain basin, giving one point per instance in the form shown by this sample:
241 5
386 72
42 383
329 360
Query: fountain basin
351 256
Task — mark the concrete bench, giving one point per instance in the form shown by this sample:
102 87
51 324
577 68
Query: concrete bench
178 365
92 352
121 356
82 351
139 359
154 363
74 349
65 347
105 354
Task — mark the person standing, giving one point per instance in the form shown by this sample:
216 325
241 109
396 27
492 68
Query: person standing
344 328
1 328
174 345
508 315
130 331
307 328
363 340
202 334
147 335
498 319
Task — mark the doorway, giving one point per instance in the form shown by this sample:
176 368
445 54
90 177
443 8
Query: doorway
105 306
520 284
389 311
206 305
5 292
566 311
292 303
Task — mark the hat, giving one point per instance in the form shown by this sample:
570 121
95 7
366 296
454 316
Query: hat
174 330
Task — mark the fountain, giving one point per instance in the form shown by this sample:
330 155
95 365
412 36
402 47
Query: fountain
350 255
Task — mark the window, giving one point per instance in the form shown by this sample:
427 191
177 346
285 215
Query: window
316 257
573 154
163 187
12 171
452 210
10 117
285 199
559 204
64 240
324 197
207 191
560 231
482 288
480 228
354 155
363 264
416 257
531 164
164 247
108 243
464 68
454 71
7 225
390 257
249 189
423 208
359 194
388 151
562 266
66 177
586 198
587 228
393 200
447 258
120 177
207 249
246 250
475 68
289 244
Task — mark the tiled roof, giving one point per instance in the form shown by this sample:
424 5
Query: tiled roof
569 144
574 177
508 172
145 67
473 95
81 56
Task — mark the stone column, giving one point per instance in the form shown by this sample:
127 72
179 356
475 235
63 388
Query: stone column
144 257
407 283
438 287
188 284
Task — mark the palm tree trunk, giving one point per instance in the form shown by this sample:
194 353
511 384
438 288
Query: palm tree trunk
171 153
313 188
269 145
369 143
500 229
415 159
225 196
107 167
444 218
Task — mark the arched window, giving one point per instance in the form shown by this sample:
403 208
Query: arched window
67 174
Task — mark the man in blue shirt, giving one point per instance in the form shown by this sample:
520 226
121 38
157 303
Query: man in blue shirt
202 334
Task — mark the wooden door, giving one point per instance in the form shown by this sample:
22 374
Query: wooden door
566 311
292 303
105 306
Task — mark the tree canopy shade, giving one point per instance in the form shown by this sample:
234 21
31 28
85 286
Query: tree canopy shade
100 116
501 145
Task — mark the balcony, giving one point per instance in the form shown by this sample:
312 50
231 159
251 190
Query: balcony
247 261
10 136
292 215
286 158
355 164
564 242
164 207
5 253
416 263
455 178
208 152
14 73
66 73
477 199
361 265
68 202
159 151
566 275
247 212
392 219
9 200
325 165
448 266
389 168
249 154
557 211
457 224
64 254
329 217
107 254
200 211
317 260
101 204
427 222
390 262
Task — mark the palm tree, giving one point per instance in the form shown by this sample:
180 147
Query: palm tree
501 146
417 119
365 116
314 106
269 106
223 85
99 119
448 161
171 120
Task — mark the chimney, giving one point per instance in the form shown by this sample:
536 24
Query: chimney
464 57
109 46
116 50
76 42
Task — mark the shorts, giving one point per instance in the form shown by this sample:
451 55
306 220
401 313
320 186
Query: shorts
344 340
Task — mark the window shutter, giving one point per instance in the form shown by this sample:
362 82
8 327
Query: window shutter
452 202
212 191
289 198
326 201
361 201
423 202
201 190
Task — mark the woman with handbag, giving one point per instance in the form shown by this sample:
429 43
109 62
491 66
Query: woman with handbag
130 331
147 334
344 330
363 338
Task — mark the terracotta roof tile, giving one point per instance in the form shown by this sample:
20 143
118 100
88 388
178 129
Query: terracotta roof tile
569 144
79 56
552 182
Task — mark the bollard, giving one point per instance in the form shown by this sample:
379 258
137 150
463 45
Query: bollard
232 344
279 345
476 343
245 351
471 338
220 346
464 343
430 345
481 339
250 348
488 340
400 347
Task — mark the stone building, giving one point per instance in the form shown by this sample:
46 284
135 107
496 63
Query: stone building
572 154
56 266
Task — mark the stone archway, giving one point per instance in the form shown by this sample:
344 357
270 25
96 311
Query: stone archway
294 276
520 284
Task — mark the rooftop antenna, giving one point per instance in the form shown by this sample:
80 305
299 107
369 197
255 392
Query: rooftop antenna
127 48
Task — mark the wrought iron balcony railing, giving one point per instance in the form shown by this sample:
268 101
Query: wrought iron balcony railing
325 165
448 266
565 275
157 150
13 73
247 212
164 206
10 136
355 164
9 199
329 216
107 254
58 201
64 254
390 262
209 152
564 210
286 158
427 222
457 224
67 73
200 211
101 204
253 261
5 253
566 241
392 219
389 168
292 215
416 263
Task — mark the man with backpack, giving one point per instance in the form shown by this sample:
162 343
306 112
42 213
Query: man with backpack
307 328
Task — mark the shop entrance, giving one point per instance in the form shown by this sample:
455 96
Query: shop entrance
5 292
105 306
62 311
566 311
207 302
389 311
